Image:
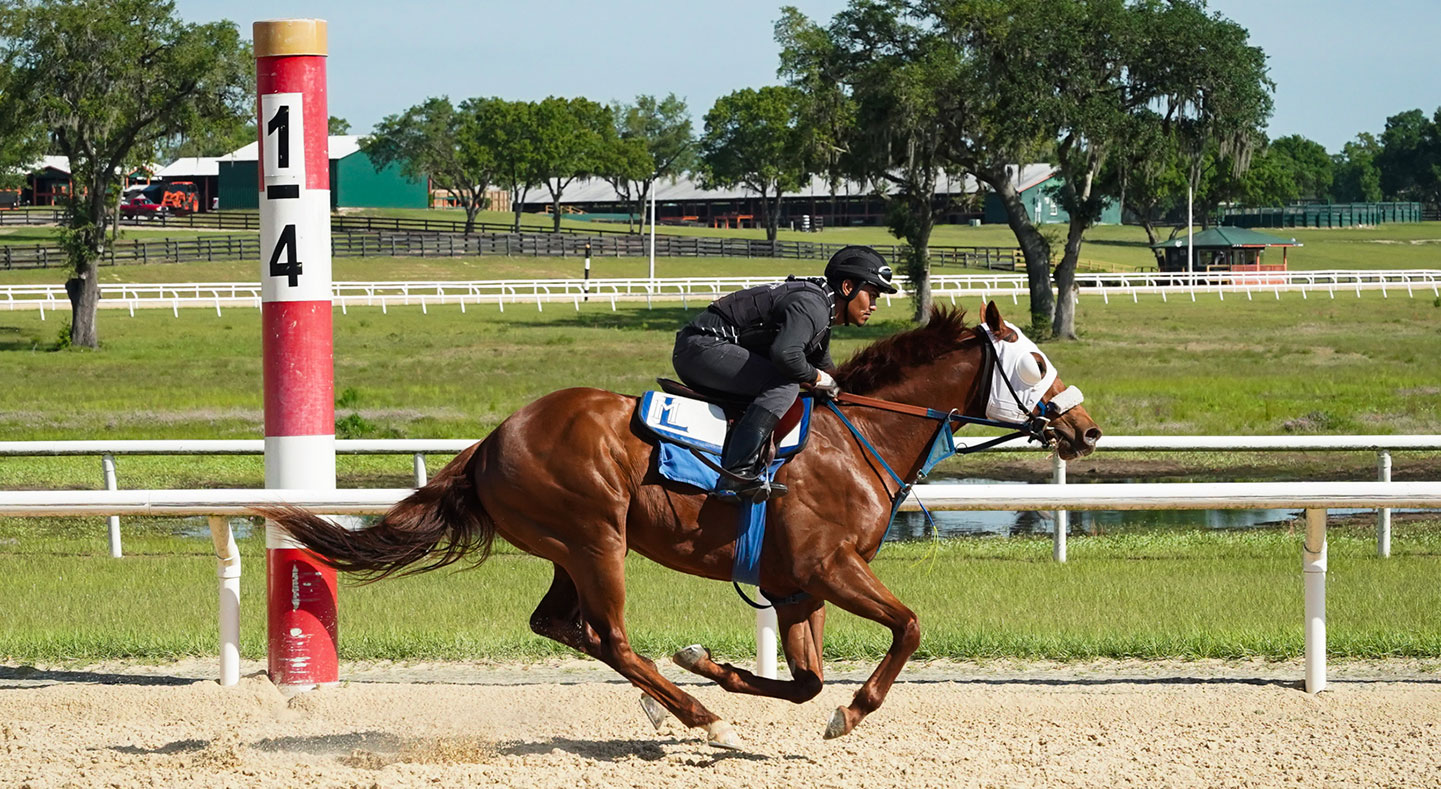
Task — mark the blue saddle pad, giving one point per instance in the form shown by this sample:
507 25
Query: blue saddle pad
681 465
684 424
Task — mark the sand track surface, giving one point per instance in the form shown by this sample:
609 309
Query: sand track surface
573 724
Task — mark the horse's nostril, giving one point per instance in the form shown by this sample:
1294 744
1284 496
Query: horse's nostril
1092 436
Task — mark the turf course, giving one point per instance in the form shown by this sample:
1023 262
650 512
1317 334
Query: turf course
1348 365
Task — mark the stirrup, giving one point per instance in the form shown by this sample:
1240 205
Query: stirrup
755 490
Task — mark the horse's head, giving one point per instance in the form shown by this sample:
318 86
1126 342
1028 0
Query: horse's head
939 366
1025 387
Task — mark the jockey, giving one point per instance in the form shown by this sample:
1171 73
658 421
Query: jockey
764 342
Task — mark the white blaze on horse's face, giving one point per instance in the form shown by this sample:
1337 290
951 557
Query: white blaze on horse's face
1028 370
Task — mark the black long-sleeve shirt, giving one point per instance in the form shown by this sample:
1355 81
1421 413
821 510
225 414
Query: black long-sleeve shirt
790 322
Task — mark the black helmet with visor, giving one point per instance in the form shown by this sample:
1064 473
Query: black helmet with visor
862 264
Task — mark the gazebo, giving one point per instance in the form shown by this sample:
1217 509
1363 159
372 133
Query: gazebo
1223 249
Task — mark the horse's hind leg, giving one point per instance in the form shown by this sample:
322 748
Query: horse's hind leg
801 625
601 591
557 617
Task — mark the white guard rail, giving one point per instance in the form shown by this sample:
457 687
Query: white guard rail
539 292
1381 445
1315 497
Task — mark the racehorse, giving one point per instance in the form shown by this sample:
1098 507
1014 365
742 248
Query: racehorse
573 479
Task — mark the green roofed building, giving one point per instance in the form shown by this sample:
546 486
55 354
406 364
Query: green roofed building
354 183
1223 249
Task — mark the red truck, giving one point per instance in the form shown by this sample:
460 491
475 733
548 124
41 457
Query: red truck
139 206
161 199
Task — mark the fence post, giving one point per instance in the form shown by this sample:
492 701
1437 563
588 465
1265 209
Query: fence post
419 466
1313 570
766 627
107 466
1383 515
228 570
1063 518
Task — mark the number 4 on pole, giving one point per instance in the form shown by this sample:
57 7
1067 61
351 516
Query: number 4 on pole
290 268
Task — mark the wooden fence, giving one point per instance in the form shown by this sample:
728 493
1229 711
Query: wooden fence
365 236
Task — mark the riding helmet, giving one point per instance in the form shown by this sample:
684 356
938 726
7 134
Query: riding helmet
862 264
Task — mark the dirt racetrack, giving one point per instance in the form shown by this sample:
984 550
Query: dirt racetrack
571 724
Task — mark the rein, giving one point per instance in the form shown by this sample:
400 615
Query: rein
942 446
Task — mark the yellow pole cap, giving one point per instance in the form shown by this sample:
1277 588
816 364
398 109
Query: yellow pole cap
280 37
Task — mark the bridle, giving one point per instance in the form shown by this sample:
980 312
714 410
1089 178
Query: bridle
1036 426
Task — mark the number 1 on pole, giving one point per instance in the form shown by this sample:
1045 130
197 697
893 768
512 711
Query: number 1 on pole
284 155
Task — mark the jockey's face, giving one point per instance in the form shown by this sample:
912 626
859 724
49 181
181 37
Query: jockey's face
858 310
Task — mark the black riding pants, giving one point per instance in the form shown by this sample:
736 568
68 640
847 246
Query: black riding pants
714 363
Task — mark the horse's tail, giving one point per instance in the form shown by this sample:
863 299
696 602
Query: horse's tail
437 524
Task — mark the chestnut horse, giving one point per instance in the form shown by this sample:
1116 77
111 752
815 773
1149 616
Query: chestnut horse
572 478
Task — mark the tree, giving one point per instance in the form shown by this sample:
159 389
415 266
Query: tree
1147 173
572 139
1410 157
1307 163
510 128
433 140
108 80
1103 86
1271 180
814 62
336 125
217 139
655 141
22 143
885 124
1357 180
1217 99
752 139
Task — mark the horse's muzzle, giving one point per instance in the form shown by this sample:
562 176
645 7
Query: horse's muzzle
1075 434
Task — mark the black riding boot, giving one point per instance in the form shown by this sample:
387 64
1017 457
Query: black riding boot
744 456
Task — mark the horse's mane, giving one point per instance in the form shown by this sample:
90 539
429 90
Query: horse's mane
886 360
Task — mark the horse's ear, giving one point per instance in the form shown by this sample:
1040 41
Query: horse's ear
993 318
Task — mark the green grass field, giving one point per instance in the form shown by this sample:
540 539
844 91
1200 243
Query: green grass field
1139 594
1321 365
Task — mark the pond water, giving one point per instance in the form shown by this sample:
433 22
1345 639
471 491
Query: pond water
913 525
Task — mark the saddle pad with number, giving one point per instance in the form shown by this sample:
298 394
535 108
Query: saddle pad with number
702 426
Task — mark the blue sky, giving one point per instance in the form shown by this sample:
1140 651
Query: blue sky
1340 67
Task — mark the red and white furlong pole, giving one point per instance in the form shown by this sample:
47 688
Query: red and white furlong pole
295 316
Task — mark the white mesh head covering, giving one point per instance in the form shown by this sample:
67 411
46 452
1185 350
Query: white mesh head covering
1015 364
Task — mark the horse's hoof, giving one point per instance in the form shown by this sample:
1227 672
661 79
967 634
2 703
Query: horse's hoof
690 656
654 711
838 725
719 734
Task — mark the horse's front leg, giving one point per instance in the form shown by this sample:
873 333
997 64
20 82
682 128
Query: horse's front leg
852 586
801 625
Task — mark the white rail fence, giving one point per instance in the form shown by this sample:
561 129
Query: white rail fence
1314 497
1383 446
217 295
